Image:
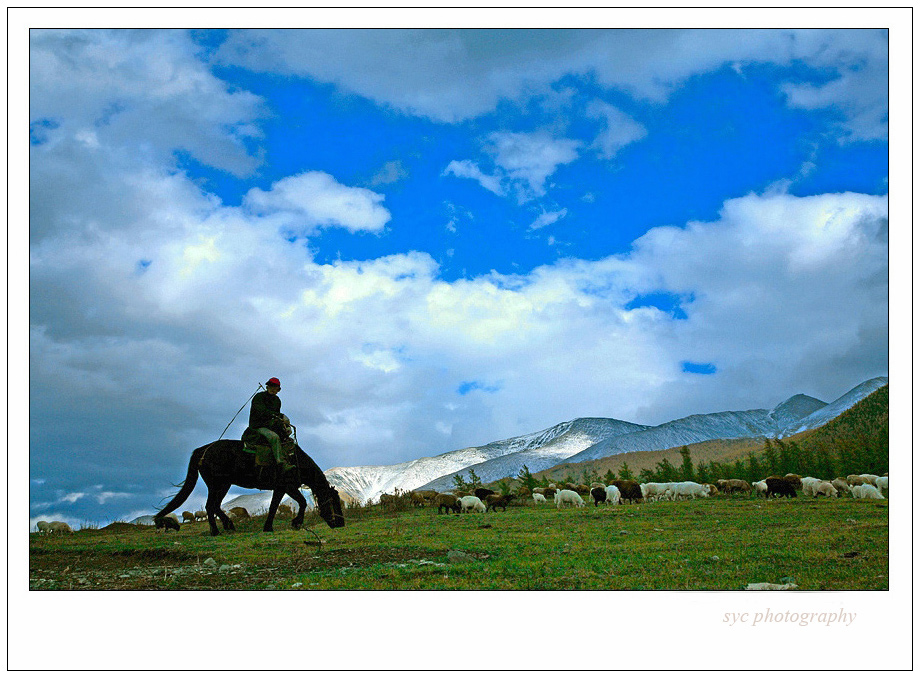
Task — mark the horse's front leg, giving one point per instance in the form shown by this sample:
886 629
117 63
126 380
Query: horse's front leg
301 506
272 508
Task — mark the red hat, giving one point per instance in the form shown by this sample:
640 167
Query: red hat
274 381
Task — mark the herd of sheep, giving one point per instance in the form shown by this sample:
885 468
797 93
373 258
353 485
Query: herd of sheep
860 486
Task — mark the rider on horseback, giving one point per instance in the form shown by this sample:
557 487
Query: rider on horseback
266 418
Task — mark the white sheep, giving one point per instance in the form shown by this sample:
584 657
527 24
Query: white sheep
471 503
760 487
654 491
882 483
568 497
43 527
825 488
613 495
867 492
538 498
60 527
808 485
869 478
689 489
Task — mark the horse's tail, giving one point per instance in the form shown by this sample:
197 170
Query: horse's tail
191 478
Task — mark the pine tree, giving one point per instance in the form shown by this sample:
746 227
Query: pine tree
686 464
753 468
475 481
770 460
625 472
459 483
609 477
702 475
525 478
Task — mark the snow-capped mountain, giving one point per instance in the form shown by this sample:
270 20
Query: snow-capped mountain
836 408
543 449
585 439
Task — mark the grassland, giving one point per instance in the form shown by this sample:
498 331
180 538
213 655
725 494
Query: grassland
708 544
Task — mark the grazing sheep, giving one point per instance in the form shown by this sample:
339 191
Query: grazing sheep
840 484
201 515
689 489
60 527
550 492
566 496
713 491
808 485
779 486
824 488
869 478
794 479
867 492
629 489
882 483
654 491
759 488
612 495
43 527
471 503
168 522
483 493
238 512
187 517
582 489
855 480
732 486
495 500
448 502
538 498
599 495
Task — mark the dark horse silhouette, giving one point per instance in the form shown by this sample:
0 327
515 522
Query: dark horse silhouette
224 463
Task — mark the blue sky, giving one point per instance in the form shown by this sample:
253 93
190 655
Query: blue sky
438 239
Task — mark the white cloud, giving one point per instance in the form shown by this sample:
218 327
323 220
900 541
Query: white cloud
547 218
529 159
145 90
455 75
316 199
619 129
467 169
524 162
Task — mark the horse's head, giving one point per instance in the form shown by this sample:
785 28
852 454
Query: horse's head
330 507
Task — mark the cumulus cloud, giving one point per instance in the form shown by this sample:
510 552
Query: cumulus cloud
619 129
146 91
456 75
315 199
467 169
523 162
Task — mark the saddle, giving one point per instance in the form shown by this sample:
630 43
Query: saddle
255 444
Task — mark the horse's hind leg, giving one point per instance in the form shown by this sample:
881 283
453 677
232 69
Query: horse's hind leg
215 495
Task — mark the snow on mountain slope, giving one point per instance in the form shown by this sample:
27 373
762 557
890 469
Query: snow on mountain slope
687 430
561 443
794 409
547 447
836 408
579 440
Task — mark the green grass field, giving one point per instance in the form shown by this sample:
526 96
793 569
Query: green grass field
706 544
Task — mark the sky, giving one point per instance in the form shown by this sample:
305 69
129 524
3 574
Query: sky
437 238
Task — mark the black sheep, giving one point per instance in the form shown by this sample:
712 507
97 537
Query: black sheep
599 495
781 487
483 493
494 500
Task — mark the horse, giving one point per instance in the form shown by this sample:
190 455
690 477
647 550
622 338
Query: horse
224 463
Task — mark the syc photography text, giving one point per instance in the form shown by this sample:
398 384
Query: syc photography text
802 619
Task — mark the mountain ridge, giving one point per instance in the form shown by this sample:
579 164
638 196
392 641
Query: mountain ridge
585 439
